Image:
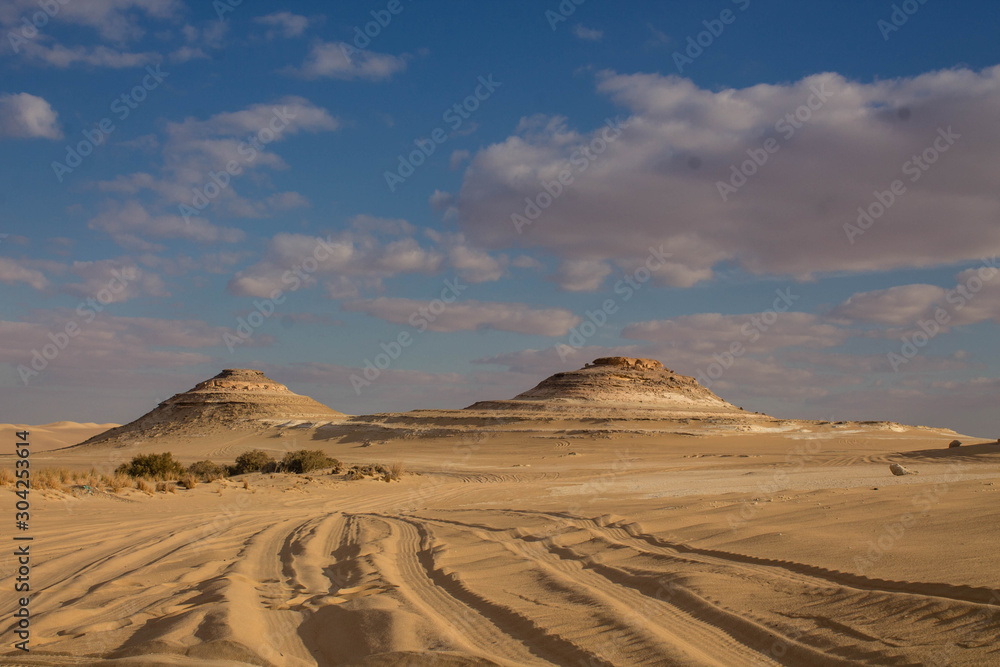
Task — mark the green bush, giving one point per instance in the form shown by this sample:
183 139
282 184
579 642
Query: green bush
305 460
152 466
256 460
207 471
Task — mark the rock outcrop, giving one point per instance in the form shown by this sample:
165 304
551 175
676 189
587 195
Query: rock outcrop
235 398
621 387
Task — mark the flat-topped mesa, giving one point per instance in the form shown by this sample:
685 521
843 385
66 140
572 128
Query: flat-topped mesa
620 387
633 363
235 398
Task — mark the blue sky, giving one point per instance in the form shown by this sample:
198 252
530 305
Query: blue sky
732 171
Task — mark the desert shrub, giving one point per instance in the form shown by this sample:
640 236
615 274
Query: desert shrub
119 481
6 477
207 471
354 474
246 484
152 466
256 460
188 481
145 486
161 487
396 470
305 460
47 479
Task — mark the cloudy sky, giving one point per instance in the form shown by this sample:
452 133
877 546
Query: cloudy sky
397 205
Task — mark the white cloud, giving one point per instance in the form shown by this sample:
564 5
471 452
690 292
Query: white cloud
974 298
284 24
13 271
581 275
114 20
338 60
470 315
130 223
342 262
23 115
120 280
656 183
96 56
712 332
587 34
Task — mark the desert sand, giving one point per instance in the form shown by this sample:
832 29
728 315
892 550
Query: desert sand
637 521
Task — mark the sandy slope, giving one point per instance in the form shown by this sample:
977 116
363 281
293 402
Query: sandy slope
533 543
57 434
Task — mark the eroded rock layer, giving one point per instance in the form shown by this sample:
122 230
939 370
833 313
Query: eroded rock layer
234 398
620 386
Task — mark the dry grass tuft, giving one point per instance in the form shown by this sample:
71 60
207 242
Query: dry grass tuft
246 484
119 482
161 487
6 477
188 481
396 470
144 486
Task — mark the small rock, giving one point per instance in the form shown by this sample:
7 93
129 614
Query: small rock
954 443
899 470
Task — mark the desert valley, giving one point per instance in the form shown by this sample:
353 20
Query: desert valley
618 514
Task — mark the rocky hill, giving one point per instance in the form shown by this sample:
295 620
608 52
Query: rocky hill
620 386
236 398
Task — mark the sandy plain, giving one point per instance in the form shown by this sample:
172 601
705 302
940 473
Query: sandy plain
527 541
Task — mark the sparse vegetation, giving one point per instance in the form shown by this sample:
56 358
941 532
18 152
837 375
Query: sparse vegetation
6 477
152 466
188 481
207 471
144 486
256 460
305 460
119 481
161 487
396 470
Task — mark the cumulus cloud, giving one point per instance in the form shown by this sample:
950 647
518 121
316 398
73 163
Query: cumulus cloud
470 315
657 182
974 298
283 24
23 115
129 224
338 60
193 150
340 262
